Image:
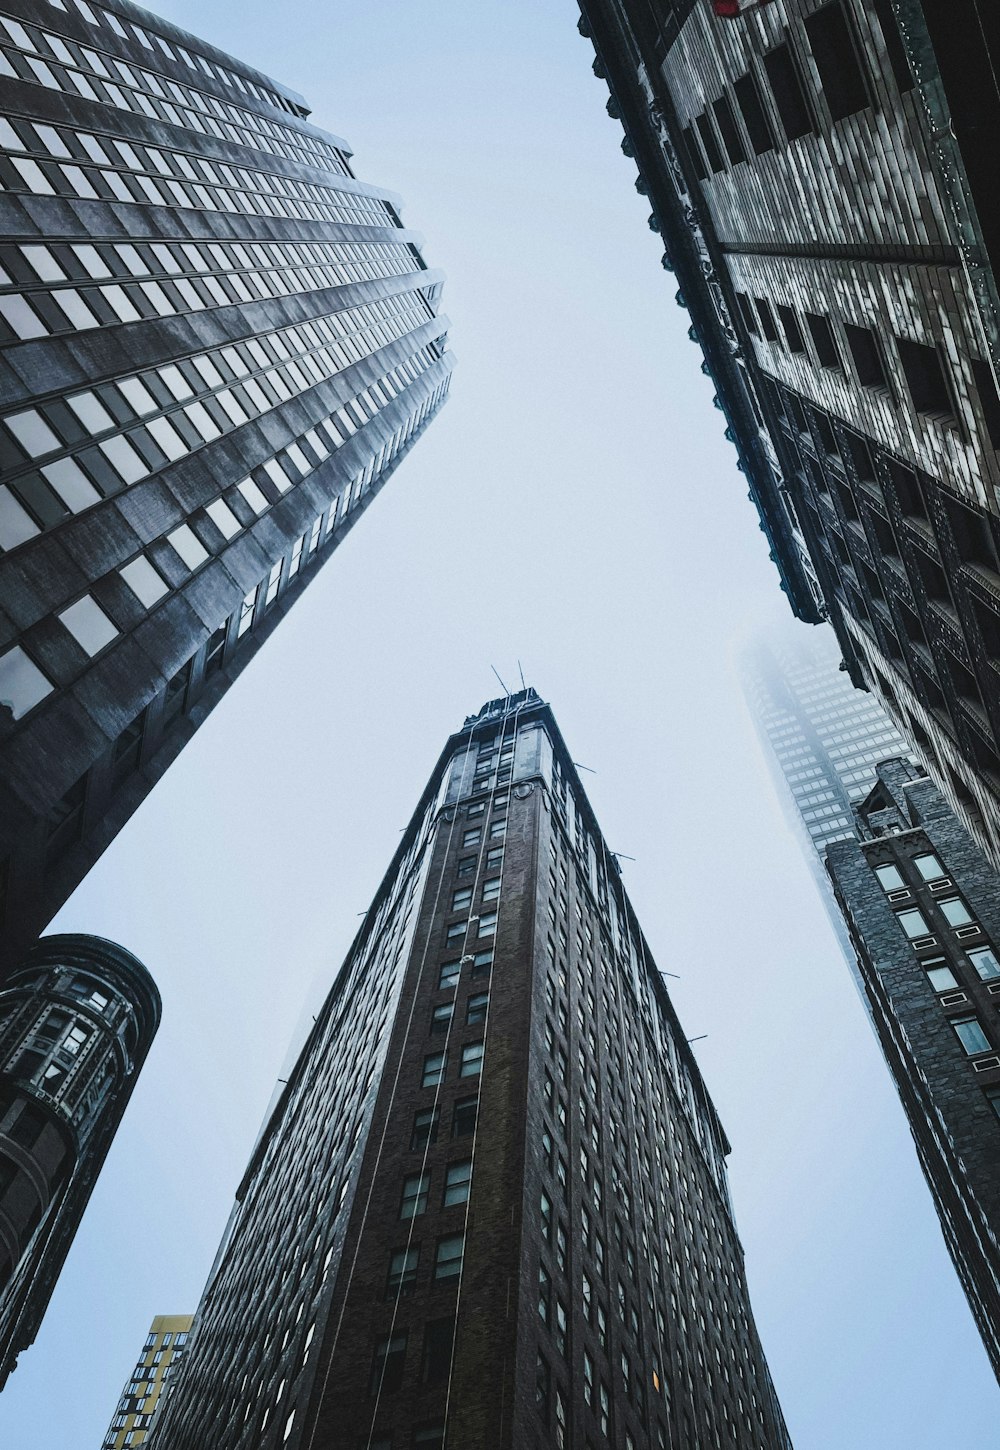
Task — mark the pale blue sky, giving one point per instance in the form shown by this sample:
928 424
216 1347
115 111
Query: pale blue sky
575 505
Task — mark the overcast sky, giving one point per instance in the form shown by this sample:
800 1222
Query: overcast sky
574 506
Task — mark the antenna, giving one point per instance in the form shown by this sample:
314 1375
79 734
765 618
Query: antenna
620 855
698 1039
521 673
588 768
504 687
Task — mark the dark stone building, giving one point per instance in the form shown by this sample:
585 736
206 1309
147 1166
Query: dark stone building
216 344
76 1021
923 909
490 1207
822 173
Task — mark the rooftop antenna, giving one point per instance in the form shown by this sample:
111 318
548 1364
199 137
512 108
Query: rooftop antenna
619 855
503 686
521 673
698 1039
589 768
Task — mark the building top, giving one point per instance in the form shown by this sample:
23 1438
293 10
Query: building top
99 958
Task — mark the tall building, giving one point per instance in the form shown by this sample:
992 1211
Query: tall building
217 345
490 1206
76 1020
823 740
156 1366
923 908
821 173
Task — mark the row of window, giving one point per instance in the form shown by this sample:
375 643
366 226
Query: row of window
834 51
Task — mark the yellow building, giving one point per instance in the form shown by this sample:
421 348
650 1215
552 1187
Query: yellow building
163 1349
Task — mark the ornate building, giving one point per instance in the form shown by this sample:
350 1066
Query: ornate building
821 173
217 345
490 1206
76 1021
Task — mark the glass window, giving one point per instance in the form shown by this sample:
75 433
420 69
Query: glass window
15 524
448 1262
22 684
955 911
413 1200
471 838
491 889
144 581
929 866
456 1183
913 923
984 960
124 459
388 1362
939 974
472 1059
889 878
88 624
477 1008
91 412
481 962
456 931
441 1017
224 519
487 923
450 973
402 1272
71 484
187 544
253 495
433 1069
463 1117
32 432
971 1035
993 1098
461 898
425 1129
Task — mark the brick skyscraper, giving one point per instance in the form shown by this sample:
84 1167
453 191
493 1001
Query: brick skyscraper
923 909
490 1207
217 344
822 173
76 1021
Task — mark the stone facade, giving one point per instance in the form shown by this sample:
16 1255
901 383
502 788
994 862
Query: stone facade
217 345
820 171
76 1021
490 1208
922 905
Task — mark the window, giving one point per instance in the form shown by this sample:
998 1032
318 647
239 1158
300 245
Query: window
413 1199
971 1035
433 1069
144 581
472 838
728 130
425 1129
926 379
448 1261
461 898
22 684
955 911
491 889
457 1179
694 152
449 975
889 878
707 133
984 960
481 962
463 1117
866 354
823 340
388 1363
993 1098
456 931
836 60
543 1386
498 828
929 866
792 331
402 1272
429 1437
89 625
476 1008
189 547
435 1362
223 518
487 924
441 1017
466 866
783 74
939 974
767 322
913 923
472 1059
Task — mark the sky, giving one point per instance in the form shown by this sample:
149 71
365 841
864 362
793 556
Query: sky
576 508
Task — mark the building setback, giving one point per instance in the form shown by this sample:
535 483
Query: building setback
923 908
821 173
490 1206
76 1021
155 1368
217 345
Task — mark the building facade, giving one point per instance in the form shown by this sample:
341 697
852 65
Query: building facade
76 1021
217 345
820 171
923 908
823 740
155 1368
490 1207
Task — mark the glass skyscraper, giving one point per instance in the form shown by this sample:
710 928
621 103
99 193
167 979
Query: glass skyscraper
218 343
